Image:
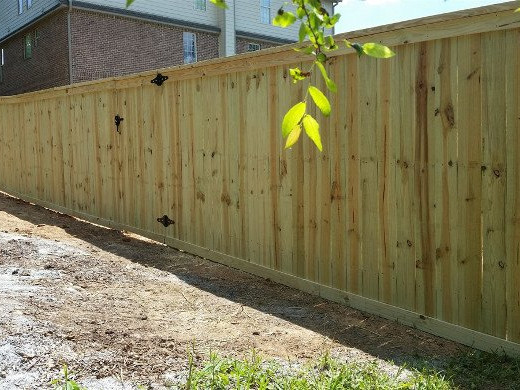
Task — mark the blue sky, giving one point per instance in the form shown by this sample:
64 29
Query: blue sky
359 14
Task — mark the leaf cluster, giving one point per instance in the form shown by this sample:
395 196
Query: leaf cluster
315 22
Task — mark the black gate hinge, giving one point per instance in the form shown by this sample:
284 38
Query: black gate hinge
118 121
159 79
165 221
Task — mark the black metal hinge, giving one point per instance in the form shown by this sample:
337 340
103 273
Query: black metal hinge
159 79
118 121
165 221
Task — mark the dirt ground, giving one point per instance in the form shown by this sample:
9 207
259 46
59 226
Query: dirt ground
122 310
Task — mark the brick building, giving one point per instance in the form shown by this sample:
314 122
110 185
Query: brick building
48 43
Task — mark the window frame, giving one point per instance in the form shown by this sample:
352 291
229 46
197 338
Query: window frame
265 11
193 43
2 63
200 5
28 43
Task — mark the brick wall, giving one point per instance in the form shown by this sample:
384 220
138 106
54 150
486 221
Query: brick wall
48 66
102 46
242 44
105 45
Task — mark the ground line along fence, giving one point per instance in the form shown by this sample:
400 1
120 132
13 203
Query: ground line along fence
412 212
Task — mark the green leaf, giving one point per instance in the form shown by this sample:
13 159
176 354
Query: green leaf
302 32
314 22
284 19
293 117
312 128
219 3
517 10
332 21
377 50
320 37
322 70
306 50
330 84
321 57
293 137
320 99
129 3
356 46
330 41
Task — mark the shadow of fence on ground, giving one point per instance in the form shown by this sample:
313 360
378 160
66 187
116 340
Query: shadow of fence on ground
351 328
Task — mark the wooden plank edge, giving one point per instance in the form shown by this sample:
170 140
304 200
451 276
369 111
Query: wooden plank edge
430 325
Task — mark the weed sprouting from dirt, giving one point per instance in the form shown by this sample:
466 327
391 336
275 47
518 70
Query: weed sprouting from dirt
65 382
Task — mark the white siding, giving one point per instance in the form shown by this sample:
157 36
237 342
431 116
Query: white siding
248 19
11 21
247 15
227 38
183 10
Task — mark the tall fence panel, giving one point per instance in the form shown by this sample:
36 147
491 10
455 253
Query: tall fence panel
411 212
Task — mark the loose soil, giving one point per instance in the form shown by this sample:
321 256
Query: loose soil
122 310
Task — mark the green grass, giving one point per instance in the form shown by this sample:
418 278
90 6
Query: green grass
254 373
480 370
473 370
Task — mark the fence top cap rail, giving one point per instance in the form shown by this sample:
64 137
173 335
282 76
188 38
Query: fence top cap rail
279 55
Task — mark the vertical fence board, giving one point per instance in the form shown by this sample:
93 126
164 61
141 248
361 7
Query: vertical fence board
425 135
512 213
446 180
469 181
338 187
405 258
494 184
353 209
370 147
386 184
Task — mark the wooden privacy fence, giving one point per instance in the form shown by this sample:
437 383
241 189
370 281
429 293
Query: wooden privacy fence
411 212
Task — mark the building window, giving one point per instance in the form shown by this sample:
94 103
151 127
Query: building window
190 47
27 46
2 63
200 5
29 4
20 7
253 46
265 11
